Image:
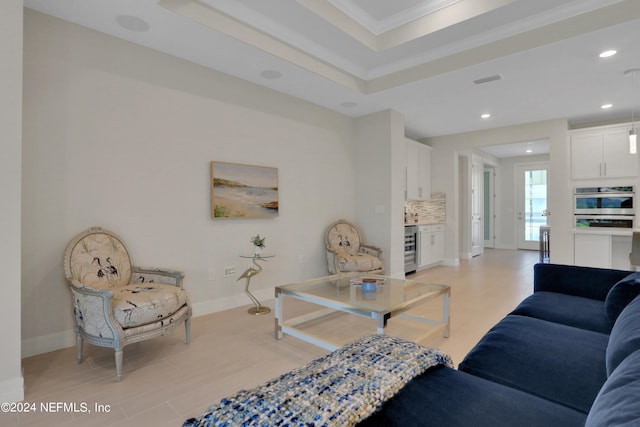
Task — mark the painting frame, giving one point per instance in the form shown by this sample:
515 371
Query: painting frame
243 191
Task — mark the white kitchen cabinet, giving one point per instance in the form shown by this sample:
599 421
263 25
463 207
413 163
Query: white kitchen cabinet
431 249
592 250
603 248
437 244
602 152
418 171
424 235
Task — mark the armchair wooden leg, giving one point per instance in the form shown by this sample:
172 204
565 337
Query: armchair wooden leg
187 330
118 364
79 348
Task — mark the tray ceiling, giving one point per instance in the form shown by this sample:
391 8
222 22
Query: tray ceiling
417 57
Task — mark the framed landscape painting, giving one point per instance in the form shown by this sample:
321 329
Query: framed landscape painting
243 191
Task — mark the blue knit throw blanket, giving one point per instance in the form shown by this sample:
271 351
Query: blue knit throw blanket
339 389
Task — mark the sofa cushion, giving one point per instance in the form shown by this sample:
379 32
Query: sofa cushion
622 294
584 313
445 397
625 335
139 304
617 402
557 362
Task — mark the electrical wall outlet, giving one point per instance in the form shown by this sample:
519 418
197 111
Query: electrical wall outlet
212 274
230 270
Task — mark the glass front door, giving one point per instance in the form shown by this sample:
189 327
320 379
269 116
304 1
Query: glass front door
532 204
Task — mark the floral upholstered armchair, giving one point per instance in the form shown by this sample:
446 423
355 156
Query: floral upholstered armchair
116 303
347 253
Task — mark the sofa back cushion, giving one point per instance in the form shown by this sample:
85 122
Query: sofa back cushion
621 294
625 336
617 402
586 282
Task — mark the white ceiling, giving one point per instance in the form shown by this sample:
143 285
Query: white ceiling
417 57
518 149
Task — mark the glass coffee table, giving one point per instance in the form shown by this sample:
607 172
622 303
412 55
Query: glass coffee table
379 298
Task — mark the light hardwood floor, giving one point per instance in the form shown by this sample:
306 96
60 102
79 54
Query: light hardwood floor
166 381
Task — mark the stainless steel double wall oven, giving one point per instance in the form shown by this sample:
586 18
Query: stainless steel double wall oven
604 207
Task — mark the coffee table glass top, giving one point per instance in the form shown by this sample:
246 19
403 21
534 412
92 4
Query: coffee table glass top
384 296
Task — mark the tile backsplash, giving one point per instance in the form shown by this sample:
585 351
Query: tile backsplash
431 211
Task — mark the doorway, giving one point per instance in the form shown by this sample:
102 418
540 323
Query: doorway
531 203
489 206
477 211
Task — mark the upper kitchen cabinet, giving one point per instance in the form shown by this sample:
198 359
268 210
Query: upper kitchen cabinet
418 184
602 152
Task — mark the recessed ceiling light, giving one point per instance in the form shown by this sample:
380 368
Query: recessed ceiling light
606 106
485 116
607 53
132 23
349 104
528 151
271 74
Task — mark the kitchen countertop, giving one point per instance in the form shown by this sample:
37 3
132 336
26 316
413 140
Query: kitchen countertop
407 224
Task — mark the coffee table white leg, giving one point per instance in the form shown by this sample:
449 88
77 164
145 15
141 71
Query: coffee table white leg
381 320
278 314
445 313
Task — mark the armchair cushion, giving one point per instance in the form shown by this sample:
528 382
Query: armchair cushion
142 303
358 262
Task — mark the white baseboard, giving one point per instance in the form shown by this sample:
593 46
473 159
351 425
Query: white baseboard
47 343
64 339
12 390
400 275
451 262
506 246
265 296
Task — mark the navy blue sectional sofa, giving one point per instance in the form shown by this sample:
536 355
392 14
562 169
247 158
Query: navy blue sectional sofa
568 355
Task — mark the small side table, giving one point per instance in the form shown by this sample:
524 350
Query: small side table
259 309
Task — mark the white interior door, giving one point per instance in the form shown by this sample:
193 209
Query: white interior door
531 203
477 187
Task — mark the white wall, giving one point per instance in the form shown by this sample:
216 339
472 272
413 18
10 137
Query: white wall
445 177
11 382
380 185
464 206
120 136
